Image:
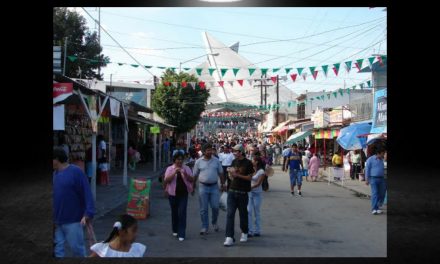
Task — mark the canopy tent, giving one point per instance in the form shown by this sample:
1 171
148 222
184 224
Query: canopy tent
280 127
298 136
348 136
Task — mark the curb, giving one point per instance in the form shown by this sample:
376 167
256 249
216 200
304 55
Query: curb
358 193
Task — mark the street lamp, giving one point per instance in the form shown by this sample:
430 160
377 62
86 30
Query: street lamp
213 54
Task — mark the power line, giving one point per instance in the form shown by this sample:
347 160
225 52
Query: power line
118 43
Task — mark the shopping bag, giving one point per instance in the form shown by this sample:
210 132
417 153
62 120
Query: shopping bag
223 203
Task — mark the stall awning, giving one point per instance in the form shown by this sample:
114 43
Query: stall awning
326 133
280 126
298 136
348 137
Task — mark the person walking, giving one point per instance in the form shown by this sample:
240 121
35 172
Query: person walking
286 151
255 198
314 167
121 241
305 162
73 205
226 159
207 171
374 176
294 161
241 173
355 164
178 179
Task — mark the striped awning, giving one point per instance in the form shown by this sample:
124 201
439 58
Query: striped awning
326 133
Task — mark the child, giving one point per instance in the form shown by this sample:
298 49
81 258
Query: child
120 243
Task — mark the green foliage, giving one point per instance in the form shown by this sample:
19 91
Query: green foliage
179 106
80 43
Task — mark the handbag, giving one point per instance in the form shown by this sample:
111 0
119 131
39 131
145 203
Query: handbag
223 202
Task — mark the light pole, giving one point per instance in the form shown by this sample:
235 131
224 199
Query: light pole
180 66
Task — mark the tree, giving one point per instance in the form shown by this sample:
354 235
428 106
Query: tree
83 49
180 107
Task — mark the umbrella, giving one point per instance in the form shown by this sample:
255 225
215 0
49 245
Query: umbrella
348 136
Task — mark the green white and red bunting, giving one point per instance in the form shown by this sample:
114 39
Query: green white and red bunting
223 71
299 70
325 69
211 70
371 61
315 74
235 70
240 82
288 70
221 83
293 76
348 65
264 71
199 71
251 70
336 68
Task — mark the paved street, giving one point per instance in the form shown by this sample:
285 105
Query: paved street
328 221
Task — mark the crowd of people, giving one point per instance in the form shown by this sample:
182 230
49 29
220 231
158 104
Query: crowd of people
235 164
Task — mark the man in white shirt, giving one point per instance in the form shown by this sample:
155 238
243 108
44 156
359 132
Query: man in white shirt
226 159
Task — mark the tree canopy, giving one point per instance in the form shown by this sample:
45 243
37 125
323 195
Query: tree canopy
179 106
83 49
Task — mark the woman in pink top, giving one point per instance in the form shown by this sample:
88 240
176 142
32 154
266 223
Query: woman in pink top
178 179
314 167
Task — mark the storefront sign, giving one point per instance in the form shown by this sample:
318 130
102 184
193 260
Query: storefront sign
155 130
139 198
380 112
61 91
320 118
307 126
335 116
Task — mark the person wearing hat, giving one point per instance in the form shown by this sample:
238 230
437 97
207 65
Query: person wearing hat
241 172
294 159
208 170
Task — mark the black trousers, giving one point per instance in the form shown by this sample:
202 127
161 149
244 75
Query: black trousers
237 201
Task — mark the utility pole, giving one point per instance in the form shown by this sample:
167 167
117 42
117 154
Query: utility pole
278 100
65 56
99 39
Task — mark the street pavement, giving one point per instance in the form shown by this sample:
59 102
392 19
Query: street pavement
328 221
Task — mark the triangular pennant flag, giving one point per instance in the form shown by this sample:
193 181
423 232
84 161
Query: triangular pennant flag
304 76
335 94
348 65
223 71
312 70
288 70
211 70
235 70
251 70
202 85
275 69
317 97
354 87
175 84
360 61
362 86
315 74
336 68
299 70
293 76
173 68
120 64
161 67
134 65
240 82
199 71
73 58
348 90
369 84
250 82
325 69
328 96
184 84
231 83
187 69
341 92
357 66
371 60
283 78
274 79
322 97
192 84
221 83
148 67
264 71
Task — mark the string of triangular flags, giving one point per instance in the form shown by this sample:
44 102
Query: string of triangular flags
301 71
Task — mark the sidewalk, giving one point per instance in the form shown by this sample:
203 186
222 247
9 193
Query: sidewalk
113 195
359 187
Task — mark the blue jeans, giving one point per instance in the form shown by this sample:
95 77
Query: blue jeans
377 191
178 214
73 233
253 207
237 201
209 195
295 177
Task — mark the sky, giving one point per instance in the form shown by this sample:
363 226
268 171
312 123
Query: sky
269 37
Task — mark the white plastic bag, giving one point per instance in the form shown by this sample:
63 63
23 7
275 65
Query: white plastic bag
223 203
